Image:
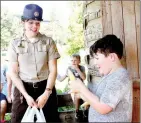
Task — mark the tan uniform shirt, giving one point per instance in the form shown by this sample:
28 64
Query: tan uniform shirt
33 57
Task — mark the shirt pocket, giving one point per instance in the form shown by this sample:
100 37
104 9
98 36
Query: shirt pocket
42 53
22 48
42 48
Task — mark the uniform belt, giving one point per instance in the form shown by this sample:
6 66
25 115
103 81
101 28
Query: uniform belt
35 84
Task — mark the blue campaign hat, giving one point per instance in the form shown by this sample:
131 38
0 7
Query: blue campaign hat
32 11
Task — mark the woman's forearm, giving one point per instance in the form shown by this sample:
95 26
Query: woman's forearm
52 73
18 83
51 80
9 84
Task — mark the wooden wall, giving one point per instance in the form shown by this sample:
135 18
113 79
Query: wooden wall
121 18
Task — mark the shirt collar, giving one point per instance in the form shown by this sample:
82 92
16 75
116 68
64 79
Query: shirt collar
37 38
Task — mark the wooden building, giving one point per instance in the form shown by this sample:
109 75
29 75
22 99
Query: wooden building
121 18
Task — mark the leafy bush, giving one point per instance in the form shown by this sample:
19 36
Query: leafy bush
66 108
8 117
59 91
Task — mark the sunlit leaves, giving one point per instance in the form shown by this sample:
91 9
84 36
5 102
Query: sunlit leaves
75 30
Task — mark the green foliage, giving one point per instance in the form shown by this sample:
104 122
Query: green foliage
75 30
7 117
59 91
5 28
66 108
54 28
66 89
10 27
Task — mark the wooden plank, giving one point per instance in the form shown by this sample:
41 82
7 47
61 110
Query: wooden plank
117 23
130 39
136 84
117 19
137 13
103 17
109 29
136 102
107 19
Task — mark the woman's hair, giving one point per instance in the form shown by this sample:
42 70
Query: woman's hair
106 45
23 19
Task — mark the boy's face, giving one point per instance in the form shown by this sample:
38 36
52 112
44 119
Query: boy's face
75 61
103 63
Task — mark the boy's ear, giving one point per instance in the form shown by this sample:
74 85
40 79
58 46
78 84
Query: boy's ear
112 57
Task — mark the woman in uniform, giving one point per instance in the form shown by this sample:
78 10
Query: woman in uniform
33 58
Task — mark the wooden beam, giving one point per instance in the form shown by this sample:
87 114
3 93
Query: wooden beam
130 38
117 24
136 102
106 19
117 19
137 15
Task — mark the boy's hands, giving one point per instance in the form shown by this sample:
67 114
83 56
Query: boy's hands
76 85
76 67
81 74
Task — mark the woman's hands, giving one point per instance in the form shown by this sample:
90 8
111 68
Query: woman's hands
30 101
9 99
41 100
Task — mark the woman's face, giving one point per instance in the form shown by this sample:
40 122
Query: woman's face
31 27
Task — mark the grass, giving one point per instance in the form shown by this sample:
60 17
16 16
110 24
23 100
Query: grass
8 116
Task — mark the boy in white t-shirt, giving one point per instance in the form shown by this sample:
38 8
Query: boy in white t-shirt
79 72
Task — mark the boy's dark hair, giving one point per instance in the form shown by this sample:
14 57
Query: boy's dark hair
108 44
76 56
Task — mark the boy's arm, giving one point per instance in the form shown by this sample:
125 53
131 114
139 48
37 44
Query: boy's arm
95 102
61 78
81 73
92 99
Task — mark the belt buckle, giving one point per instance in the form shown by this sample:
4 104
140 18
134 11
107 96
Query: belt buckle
35 85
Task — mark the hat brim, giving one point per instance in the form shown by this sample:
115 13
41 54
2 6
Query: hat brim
25 18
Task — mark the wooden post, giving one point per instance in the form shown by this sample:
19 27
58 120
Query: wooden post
107 19
136 102
137 15
130 38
